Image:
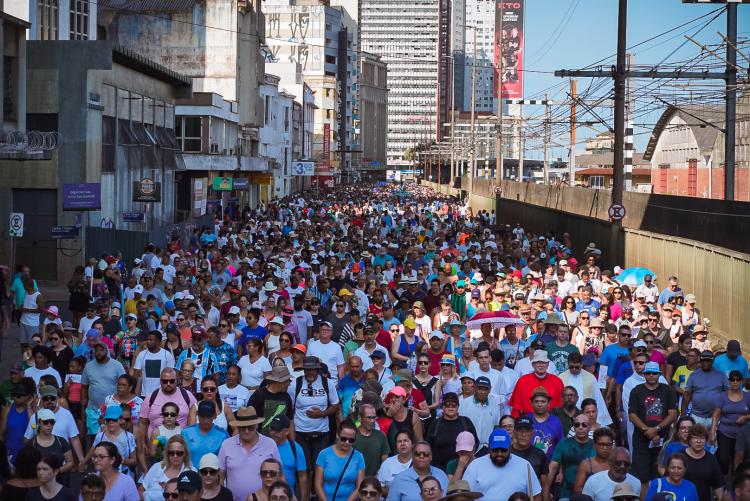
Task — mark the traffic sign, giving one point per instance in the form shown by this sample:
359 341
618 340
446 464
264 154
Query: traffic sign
616 212
16 224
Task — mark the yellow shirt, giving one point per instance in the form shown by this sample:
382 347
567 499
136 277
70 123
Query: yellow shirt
681 376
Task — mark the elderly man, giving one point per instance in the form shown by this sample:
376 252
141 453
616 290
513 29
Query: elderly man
240 456
327 351
482 409
406 485
586 386
520 399
600 486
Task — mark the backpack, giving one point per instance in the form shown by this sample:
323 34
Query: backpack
298 388
154 394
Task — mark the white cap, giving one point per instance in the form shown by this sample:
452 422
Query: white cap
209 460
277 320
45 415
540 356
138 289
234 310
179 295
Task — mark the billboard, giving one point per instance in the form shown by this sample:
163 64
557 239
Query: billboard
221 183
511 49
303 168
326 145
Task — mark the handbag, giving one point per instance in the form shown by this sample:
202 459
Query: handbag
341 477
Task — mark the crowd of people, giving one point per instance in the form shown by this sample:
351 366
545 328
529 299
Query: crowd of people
377 343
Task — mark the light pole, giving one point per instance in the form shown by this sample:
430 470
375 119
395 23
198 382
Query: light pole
453 117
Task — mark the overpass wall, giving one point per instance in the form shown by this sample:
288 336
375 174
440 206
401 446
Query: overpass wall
706 243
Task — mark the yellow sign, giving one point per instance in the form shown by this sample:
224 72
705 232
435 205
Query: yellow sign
260 178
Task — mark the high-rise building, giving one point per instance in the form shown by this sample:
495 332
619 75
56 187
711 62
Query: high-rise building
479 16
412 38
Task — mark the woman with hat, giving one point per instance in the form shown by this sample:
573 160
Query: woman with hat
403 418
448 380
339 469
112 432
459 490
52 445
405 345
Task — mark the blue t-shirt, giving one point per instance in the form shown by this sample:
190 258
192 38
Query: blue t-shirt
592 307
610 354
289 465
200 444
347 387
671 448
547 434
724 364
624 371
250 332
333 466
686 491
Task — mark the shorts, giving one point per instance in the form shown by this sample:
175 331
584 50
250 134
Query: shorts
27 331
75 409
92 421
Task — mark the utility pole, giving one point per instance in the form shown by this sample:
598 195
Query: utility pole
547 138
731 104
620 77
453 120
473 164
629 146
572 159
521 142
499 167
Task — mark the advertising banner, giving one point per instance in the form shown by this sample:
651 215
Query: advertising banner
303 168
221 183
241 183
510 49
82 196
326 145
146 190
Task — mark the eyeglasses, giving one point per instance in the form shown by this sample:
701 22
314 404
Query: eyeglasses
347 439
208 471
423 454
625 334
99 457
49 421
368 494
169 414
450 405
650 342
580 425
269 473
176 454
49 398
583 318
168 381
171 495
209 389
422 362
429 490
639 363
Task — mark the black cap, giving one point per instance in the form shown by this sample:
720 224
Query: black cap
450 397
538 345
524 422
483 381
378 354
189 481
280 422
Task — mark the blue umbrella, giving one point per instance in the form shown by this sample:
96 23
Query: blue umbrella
633 276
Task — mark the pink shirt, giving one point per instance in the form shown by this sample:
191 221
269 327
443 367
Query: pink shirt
153 413
242 467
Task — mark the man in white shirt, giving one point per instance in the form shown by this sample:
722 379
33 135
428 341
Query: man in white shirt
497 381
481 409
600 486
647 289
327 351
368 348
500 473
149 364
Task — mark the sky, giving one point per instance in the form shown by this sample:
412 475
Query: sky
572 34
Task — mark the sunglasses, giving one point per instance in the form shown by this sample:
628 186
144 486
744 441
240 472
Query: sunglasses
169 414
176 454
423 454
423 363
347 439
168 381
580 425
368 494
209 389
49 421
271 473
208 471
49 398
109 420
171 495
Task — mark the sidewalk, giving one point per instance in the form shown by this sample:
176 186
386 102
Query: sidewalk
10 352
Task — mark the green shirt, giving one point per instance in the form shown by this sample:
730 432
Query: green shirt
570 453
373 448
559 355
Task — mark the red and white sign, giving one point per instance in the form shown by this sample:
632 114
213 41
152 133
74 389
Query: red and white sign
510 49
326 145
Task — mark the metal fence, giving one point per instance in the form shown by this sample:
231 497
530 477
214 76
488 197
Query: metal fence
109 241
162 235
719 278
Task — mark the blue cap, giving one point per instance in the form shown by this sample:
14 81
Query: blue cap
378 354
499 439
113 412
473 282
460 283
169 305
652 367
92 333
505 307
461 275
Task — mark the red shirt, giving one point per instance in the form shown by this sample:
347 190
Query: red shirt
383 338
415 399
520 400
435 358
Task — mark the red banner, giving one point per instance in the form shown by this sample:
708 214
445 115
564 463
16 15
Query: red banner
511 48
327 145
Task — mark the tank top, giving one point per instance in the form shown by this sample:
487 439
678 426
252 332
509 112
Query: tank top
406 424
17 423
167 433
273 344
29 302
407 349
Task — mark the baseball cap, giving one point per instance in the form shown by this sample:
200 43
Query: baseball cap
113 412
483 381
410 323
378 354
280 422
234 310
733 348
499 439
436 333
460 283
476 293
189 481
652 368
45 415
398 391
209 460
48 391
524 423
465 442
450 397
640 344
300 347
707 355
206 409
16 369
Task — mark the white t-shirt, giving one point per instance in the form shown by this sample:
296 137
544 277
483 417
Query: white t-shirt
252 373
234 397
308 399
330 354
390 468
151 365
169 272
362 353
294 292
65 425
36 374
600 487
85 324
303 320
483 477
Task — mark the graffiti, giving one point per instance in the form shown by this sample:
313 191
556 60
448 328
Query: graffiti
299 54
274 24
300 21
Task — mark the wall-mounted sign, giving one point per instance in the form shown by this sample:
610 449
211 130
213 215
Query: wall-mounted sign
82 196
134 217
303 168
240 183
221 183
65 232
146 190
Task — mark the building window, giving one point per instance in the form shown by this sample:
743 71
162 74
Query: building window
9 105
188 132
267 111
46 19
286 119
79 19
596 182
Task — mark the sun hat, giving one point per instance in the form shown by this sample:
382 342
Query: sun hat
279 374
246 416
460 490
540 356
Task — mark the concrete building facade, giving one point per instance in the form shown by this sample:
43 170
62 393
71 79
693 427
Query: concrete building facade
411 37
14 21
276 136
373 101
